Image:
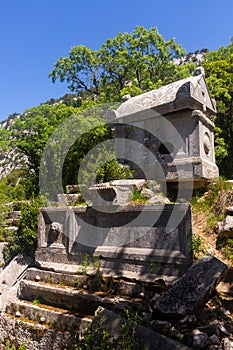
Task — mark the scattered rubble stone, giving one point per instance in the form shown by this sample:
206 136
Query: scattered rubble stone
69 199
146 318
155 297
225 227
146 338
222 328
146 192
187 320
229 210
42 319
211 329
214 339
207 315
162 327
227 344
200 340
158 199
71 189
17 314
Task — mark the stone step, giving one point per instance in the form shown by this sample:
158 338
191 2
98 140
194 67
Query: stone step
95 282
59 319
62 278
33 335
72 299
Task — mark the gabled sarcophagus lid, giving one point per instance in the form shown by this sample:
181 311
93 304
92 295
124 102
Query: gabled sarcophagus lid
172 123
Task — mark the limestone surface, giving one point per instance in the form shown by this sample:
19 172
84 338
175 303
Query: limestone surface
189 294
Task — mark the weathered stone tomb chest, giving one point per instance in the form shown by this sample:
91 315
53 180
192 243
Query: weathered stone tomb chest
167 134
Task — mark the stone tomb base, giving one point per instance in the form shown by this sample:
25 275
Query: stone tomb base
145 242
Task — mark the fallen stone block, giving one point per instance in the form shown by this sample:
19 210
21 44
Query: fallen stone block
145 338
190 293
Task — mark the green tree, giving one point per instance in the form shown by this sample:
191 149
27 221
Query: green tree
24 240
81 70
142 58
219 75
29 135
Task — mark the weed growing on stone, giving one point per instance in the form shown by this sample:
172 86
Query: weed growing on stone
154 267
137 198
36 302
214 201
9 346
100 339
48 279
228 249
87 263
52 324
197 246
132 315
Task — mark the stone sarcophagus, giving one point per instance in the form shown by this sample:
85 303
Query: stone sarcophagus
167 134
137 242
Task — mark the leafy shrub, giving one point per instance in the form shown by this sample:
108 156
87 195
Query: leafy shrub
112 170
25 239
228 249
101 339
214 201
198 246
137 197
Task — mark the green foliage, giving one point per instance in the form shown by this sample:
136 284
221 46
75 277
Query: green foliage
9 346
98 340
228 249
82 62
11 190
221 54
211 207
137 197
213 202
88 262
88 140
4 213
154 267
185 70
198 247
132 315
101 339
36 302
219 75
141 58
112 170
29 136
25 239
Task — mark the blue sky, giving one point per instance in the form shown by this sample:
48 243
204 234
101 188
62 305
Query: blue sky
34 34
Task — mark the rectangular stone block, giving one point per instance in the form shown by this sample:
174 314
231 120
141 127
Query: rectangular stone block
170 129
135 241
188 295
145 338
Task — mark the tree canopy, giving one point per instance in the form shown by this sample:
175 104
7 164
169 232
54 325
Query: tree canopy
219 75
142 58
128 63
